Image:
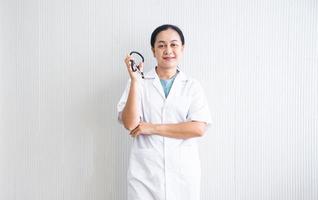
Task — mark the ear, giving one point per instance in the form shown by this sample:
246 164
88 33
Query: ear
182 48
153 51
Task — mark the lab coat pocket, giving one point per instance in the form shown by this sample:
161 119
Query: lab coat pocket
144 163
190 162
190 173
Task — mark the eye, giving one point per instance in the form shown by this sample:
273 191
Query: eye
174 45
160 46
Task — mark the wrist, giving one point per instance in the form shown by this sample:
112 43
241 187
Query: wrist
156 128
133 80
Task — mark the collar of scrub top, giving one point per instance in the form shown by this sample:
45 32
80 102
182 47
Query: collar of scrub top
152 74
153 77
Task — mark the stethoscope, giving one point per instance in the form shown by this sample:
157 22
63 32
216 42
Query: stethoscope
134 67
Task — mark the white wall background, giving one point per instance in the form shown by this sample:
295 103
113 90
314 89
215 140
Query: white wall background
62 73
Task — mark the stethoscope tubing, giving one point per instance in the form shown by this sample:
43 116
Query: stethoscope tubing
136 68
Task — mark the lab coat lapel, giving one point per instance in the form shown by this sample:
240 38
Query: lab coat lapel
178 82
180 79
156 82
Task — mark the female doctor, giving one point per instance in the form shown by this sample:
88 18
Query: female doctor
165 113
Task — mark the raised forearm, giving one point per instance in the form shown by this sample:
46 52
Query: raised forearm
130 115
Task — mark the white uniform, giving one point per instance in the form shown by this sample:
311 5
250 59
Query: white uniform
163 168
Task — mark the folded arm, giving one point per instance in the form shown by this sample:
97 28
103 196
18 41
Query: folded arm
183 130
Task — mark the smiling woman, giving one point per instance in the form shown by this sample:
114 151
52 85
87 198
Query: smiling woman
165 114
167 47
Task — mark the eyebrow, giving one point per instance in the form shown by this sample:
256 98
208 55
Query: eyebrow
161 41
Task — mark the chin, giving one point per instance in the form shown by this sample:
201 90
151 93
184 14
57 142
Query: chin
169 65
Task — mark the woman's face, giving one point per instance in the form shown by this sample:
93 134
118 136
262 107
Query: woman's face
168 49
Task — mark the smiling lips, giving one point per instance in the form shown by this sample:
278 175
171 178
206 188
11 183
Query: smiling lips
169 58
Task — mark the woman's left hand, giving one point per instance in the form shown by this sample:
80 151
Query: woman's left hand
143 128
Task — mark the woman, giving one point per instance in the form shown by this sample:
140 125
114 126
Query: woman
165 113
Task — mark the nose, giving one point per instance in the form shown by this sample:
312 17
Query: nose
168 50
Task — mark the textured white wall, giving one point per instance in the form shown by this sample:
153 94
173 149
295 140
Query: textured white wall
62 74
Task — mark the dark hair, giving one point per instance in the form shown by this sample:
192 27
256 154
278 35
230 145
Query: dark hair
163 28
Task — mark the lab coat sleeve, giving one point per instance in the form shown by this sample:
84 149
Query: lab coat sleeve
199 109
122 102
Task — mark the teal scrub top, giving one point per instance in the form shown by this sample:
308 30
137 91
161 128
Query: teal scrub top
167 84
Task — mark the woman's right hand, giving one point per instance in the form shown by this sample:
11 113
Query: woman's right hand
132 74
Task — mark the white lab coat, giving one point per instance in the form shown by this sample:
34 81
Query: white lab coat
163 168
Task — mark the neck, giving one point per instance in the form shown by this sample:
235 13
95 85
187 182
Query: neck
166 73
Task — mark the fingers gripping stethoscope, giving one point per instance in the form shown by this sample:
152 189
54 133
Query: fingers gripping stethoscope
135 67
